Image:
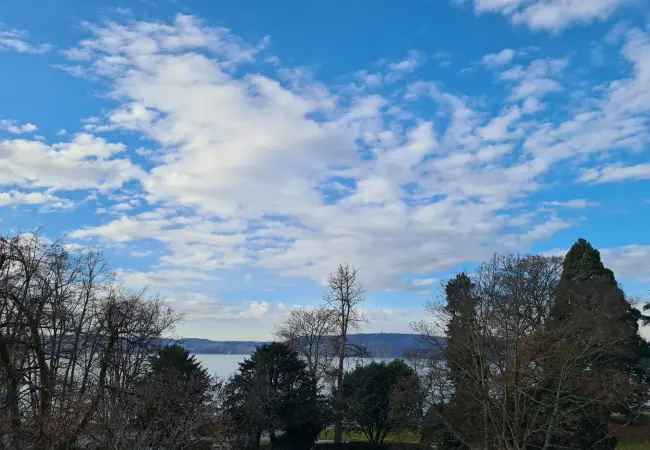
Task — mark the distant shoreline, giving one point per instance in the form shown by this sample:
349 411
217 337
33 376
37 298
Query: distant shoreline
390 345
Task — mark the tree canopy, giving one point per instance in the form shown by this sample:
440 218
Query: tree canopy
274 393
372 398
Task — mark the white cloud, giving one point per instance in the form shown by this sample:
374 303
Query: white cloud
424 282
615 173
501 58
578 203
536 79
615 119
630 261
409 64
49 201
549 15
16 40
85 162
13 127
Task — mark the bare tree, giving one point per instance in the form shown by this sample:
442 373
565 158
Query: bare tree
69 341
309 333
343 298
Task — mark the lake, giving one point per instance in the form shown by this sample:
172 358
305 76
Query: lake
224 366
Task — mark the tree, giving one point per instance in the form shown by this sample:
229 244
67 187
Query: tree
491 393
591 312
542 352
71 343
380 398
173 403
174 360
343 298
463 408
274 393
308 332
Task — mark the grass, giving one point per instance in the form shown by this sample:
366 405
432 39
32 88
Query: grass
630 437
633 446
633 436
404 437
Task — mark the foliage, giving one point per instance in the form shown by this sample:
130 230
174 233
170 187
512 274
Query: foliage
173 405
273 392
381 398
591 312
537 357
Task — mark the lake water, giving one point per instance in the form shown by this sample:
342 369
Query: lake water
224 366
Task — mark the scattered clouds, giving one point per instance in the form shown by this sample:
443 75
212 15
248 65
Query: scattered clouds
390 72
549 15
13 127
616 118
536 79
287 168
17 41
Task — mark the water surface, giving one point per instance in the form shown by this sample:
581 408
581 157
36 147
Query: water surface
224 366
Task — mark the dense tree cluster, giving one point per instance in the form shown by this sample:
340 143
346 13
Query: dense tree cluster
541 353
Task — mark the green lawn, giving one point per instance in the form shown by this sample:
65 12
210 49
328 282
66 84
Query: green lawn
633 445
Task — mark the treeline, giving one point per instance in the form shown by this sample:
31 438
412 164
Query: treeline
540 354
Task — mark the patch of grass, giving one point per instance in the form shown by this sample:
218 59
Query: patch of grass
634 436
633 445
402 437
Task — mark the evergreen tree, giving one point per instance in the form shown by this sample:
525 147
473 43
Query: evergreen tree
175 360
370 400
461 410
173 404
274 393
592 312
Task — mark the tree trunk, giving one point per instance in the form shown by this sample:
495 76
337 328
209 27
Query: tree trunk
338 402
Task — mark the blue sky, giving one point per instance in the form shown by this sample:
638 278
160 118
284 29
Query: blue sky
228 156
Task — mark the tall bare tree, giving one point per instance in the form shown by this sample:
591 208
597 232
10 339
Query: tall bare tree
344 297
309 333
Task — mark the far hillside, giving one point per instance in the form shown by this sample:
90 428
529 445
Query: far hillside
378 345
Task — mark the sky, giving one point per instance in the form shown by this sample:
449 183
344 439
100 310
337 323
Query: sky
227 156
